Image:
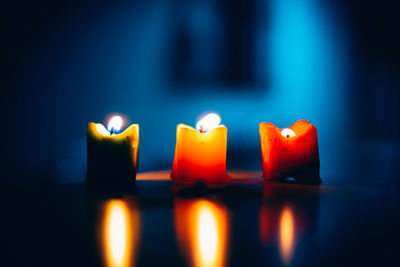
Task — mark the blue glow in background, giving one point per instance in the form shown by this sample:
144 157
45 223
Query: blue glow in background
96 59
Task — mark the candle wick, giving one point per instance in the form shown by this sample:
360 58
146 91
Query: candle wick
287 136
201 129
112 130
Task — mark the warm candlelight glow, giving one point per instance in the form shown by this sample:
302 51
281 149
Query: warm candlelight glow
202 231
117 234
115 124
288 133
120 231
101 129
207 236
208 122
286 235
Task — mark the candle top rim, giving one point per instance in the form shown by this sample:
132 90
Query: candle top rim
300 128
103 132
185 126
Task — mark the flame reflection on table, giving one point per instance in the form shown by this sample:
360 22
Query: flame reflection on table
202 231
119 233
278 222
288 216
286 234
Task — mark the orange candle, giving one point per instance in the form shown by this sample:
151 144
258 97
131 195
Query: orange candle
290 152
200 154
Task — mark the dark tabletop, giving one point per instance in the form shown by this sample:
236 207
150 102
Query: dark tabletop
156 223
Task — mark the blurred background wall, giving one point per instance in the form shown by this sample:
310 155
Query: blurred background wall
160 63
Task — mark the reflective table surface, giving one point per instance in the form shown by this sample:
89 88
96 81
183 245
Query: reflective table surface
248 223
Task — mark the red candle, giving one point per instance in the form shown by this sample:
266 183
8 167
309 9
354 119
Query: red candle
200 154
290 152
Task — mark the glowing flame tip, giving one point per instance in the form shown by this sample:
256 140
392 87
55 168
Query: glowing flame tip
208 122
115 124
288 133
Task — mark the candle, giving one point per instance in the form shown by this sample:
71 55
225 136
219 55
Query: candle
290 152
112 157
200 154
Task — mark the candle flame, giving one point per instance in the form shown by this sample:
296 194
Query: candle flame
288 133
208 122
115 124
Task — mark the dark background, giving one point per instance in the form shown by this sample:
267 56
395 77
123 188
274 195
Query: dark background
160 63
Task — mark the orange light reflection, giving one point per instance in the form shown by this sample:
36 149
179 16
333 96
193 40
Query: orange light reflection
286 235
202 231
120 233
265 224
